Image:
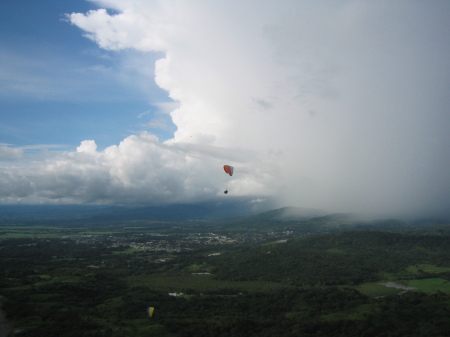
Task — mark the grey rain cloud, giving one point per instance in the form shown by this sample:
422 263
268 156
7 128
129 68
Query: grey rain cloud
338 105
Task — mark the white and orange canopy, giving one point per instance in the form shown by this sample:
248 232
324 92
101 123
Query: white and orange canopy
228 169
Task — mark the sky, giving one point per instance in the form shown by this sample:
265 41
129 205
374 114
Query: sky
336 105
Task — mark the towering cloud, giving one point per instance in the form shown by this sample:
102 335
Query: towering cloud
341 105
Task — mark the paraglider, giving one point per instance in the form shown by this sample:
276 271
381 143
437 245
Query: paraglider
228 169
150 311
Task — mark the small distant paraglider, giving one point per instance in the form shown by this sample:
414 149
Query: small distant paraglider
150 311
228 169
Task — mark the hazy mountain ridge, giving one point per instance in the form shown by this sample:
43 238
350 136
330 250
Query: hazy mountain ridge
288 214
181 212
224 213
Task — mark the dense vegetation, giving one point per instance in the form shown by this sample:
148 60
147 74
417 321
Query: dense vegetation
77 280
346 258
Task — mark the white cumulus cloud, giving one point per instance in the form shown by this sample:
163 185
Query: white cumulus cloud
341 105
8 153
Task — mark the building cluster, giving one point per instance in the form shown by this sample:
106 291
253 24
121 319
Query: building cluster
175 243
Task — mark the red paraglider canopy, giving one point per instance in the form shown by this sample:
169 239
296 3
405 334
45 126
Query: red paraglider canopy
228 169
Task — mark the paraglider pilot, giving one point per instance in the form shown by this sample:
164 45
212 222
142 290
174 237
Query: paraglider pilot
228 169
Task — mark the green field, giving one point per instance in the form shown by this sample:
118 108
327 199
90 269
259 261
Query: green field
408 278
375 289
197 283
431 285
427 268
126 251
